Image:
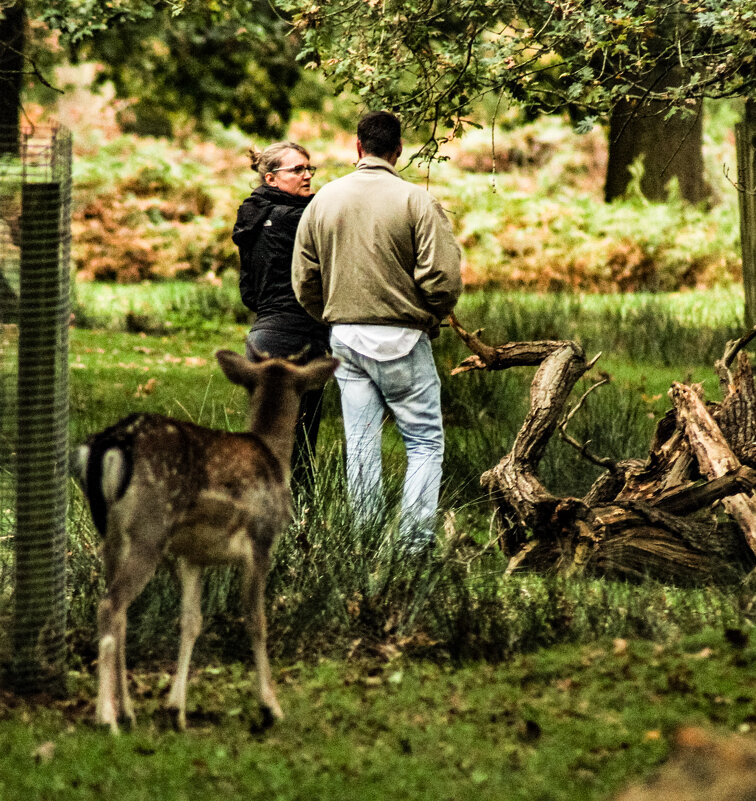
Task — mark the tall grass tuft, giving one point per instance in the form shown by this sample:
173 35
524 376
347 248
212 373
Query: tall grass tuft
664 328
158 307
336 587
482 615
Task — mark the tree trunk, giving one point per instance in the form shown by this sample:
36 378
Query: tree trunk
745 144
685 514
12 32
669 147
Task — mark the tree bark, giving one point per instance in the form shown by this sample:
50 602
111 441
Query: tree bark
12 38
669 147
745 148
655 516
714 455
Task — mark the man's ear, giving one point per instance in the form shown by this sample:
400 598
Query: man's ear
360 151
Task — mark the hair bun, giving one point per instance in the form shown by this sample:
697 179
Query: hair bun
255 155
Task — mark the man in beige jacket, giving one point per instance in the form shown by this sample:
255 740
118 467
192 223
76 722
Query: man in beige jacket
375 258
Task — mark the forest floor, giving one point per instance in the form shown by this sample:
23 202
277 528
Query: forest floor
559 724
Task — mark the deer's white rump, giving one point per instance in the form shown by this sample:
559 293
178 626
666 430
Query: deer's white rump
156 485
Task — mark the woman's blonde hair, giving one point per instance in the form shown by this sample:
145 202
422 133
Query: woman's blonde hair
264 161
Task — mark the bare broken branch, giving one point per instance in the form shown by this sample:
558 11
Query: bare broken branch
582 448
714 455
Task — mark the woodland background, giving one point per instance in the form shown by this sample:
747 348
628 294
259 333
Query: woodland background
448 679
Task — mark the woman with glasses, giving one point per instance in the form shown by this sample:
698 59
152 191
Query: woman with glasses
265 227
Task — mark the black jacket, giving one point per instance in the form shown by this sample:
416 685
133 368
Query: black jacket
266 225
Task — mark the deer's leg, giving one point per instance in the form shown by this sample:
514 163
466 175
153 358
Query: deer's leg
108 690
126 714
191 625
255 573
105 713
125 709
127 578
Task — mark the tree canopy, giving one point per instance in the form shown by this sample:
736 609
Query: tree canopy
226 60
234 64
81 18
431 60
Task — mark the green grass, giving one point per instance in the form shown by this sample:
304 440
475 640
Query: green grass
567 723
661 329
439 679
646 342
314 596
177 375
158 308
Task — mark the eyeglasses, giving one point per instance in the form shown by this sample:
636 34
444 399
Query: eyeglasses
300 169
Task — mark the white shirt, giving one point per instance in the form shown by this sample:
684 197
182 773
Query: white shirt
380 342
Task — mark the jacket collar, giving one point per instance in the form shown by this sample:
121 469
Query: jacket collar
277 197
374 162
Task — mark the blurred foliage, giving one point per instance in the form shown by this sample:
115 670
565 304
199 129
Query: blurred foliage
526 205
431 61
79 19
210 63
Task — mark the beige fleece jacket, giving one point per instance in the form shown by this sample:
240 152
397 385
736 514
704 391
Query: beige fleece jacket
372 248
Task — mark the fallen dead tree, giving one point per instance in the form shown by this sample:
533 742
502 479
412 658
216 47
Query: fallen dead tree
685 514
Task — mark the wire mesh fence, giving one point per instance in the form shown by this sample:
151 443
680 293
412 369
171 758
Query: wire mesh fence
35 208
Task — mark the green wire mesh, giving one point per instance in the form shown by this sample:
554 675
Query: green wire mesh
35 208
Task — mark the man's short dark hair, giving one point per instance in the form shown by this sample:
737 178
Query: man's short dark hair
380 133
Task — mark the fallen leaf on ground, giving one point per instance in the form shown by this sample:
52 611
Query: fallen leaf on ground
146 389
44 753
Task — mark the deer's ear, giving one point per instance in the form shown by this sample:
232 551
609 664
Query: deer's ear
237 368
317 372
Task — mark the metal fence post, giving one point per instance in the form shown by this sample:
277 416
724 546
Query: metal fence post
38 660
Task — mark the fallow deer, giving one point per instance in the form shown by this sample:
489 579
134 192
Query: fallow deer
160 486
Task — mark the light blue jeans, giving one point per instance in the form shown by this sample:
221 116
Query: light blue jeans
409 386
